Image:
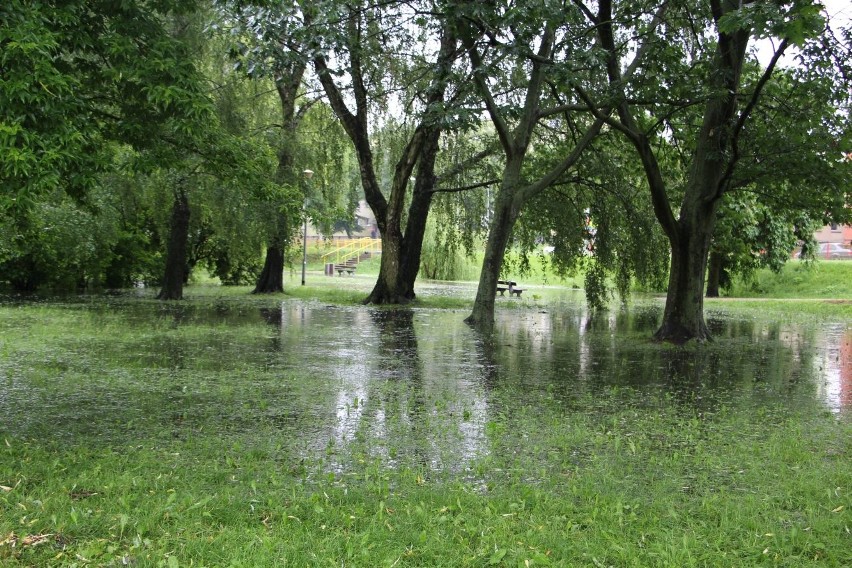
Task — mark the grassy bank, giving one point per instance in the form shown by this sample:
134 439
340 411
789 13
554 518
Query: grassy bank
820 290
825 279
816 280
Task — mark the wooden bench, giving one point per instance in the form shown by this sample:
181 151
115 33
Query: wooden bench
503 285
341 268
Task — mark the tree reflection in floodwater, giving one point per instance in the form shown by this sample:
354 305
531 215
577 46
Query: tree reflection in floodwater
400 386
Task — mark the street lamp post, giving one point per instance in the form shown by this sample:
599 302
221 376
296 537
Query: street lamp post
308 175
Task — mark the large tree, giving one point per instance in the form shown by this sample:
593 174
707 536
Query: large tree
78 79
288 80
518 53
270 43
367 45
699 61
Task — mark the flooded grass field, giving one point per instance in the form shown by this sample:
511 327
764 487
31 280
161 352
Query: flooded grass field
252 431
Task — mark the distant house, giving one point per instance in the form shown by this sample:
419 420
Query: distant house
841 234
365 222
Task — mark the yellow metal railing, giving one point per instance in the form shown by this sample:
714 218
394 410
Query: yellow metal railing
352 249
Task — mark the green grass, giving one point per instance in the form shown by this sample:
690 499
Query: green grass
825 279
620 487
826 287
821 290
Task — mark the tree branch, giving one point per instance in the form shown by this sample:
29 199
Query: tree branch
724 183
659 197
466 187
545 181
493 111
462 166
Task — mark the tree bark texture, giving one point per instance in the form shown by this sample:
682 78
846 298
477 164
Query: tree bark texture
714 274
175 273
415 231
683 317
271 279
505 214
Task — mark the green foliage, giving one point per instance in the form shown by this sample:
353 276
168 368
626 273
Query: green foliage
441 258
598 221
595 286
788 174
797 21
79 74
107 77
57 239
335 188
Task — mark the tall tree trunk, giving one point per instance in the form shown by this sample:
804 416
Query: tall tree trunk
683 317
287 83
513 194
176 251
709 176
271 279
401 252
418 215
505 215
415 232
386 289
714 274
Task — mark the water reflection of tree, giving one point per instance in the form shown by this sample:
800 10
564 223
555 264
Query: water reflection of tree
397 340
402 401
486 358
272 316
746 365
409 388
594 354
289 323
426 400
275 318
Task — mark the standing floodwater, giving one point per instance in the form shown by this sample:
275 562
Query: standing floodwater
399 386
264 432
